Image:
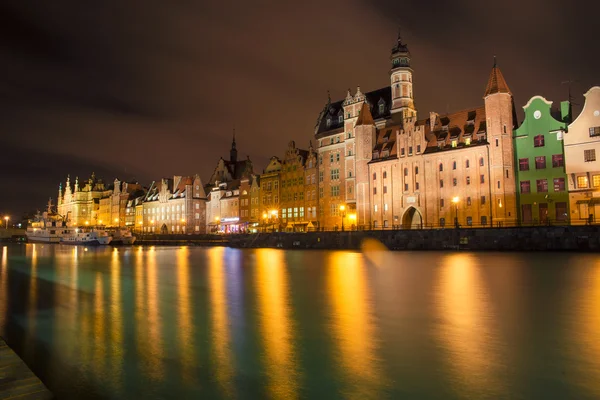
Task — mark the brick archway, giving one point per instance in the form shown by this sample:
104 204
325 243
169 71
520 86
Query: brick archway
412 219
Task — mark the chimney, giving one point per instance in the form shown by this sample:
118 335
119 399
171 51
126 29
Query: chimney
432 119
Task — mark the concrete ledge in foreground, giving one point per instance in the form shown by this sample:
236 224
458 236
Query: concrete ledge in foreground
16 379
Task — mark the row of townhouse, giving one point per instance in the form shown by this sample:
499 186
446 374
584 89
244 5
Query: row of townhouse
375 164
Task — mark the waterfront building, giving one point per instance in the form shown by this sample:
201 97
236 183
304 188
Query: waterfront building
377 160
245 208
226 177
255 201
80 202
469 161
298 189
582 145
134 212
230 208
232 169
311 188
112 210
542 195
175 206
269 194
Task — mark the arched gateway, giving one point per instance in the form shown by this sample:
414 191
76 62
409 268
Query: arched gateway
412 219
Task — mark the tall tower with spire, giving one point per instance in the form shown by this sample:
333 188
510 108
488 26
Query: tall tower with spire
233 152
401 80
500 123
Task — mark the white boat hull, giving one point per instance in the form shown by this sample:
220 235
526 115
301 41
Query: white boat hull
101 241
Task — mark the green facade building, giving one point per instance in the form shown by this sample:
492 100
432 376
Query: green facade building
542 196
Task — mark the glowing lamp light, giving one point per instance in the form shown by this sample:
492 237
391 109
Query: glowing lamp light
183 220
116 219
273 212
455 199
265 215
342 207
217 219
100 221
87 222
352 217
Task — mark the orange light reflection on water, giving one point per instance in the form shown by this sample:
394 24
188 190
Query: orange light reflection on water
221 335
184 313
4 283
586 330
353 325
467 338
276 325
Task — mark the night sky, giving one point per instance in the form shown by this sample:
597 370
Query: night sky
153 88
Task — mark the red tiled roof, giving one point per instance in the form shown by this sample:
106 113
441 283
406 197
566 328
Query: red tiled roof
496 83
365 117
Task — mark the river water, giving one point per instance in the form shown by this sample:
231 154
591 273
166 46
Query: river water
189 322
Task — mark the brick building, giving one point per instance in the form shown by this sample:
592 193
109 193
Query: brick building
389 169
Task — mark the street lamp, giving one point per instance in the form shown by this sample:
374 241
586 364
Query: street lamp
343 211
455 201
352 218
265 216
6 219
217 219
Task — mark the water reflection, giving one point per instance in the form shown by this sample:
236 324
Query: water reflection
116 317
221 337
3 285
353 325
466 334
184 313
275 323
586 329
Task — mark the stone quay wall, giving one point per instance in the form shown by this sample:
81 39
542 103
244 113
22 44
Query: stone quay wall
541 238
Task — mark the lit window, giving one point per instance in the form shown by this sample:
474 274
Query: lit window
596 180
523 164
559 184
542 185
454 143
595 131
467 141
538 141
582 182
540 162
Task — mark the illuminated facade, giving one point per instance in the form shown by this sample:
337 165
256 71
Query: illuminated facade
270 194
392 170
542 195
298 203
582 146
113 204
80 203
175 206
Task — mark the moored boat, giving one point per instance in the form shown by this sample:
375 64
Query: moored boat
122 237
87 237
48 227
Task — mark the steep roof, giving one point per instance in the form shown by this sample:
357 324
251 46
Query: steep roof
365 117
334 110
496 83
456 126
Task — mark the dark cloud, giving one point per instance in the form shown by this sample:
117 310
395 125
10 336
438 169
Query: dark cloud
155 88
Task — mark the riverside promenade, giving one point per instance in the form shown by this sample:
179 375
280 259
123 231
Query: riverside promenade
16 379
538 238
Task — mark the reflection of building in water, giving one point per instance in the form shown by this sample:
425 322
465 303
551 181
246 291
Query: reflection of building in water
466 337
184 314
221 335
276 324
353 325
3 284
586 330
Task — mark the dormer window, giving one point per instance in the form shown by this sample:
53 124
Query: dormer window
381 108
328 122
341 119
454 143
396 62
349 115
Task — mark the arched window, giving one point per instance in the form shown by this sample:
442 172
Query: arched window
441 167
481 162
453 164
467 164
405 171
